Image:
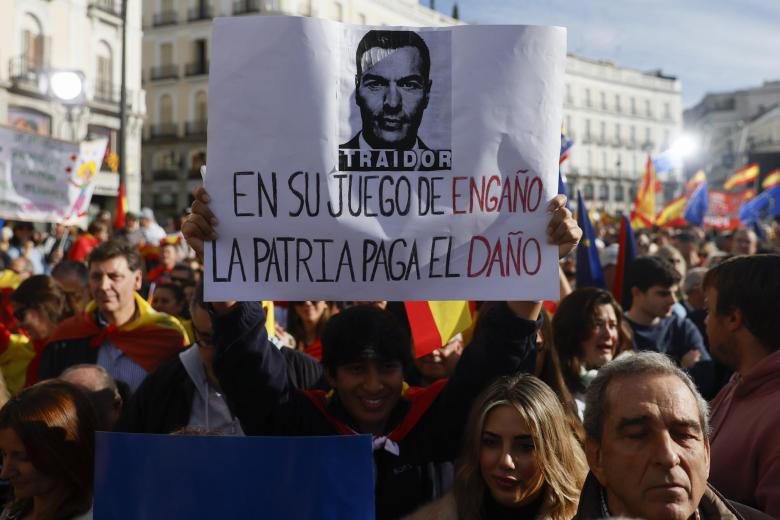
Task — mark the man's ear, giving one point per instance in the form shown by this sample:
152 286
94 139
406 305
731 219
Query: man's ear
734 318
593 454
138 279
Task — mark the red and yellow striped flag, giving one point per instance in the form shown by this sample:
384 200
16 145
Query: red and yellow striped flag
672 214
643 214
744 176
434 323
121 208
694 181
771 180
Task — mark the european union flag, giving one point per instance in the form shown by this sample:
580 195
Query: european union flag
764 206
589 273
697 205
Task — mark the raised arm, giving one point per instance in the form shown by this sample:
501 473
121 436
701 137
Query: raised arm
251 370
504 343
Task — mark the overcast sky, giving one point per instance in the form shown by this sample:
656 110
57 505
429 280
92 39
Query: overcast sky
710 45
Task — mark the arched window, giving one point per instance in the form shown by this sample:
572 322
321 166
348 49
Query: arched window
32 43
604 191
619 193
166 110
104 72
588 191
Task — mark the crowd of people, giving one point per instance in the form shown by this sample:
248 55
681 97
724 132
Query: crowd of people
655 403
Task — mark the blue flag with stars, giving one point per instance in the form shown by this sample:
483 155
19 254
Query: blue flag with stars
589 273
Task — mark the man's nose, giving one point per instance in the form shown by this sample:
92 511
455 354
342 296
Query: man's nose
105 282
664 452
392 96
372 382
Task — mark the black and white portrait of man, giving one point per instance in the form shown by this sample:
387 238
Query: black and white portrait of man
392 89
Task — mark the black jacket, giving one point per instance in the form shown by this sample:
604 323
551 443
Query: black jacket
253 375
713 505
163 402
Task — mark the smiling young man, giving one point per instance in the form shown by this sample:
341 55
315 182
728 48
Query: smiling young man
648 447
365 352
653 282
118 329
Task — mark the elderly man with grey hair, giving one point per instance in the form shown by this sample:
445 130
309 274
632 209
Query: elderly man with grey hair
647 444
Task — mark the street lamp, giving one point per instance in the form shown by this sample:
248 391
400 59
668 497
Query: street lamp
69 88
67 85
684 146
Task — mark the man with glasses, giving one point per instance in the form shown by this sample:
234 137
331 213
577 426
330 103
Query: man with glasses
185 393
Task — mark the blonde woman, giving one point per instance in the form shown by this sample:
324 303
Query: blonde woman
520 458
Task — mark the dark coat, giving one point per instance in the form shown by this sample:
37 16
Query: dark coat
253 375
163 402
713 505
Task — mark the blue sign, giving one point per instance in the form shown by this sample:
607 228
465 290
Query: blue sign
210 477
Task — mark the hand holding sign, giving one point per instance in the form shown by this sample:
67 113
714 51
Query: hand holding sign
199 225
393 163
562 230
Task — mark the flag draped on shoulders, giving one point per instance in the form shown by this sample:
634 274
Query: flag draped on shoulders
149 339
643 214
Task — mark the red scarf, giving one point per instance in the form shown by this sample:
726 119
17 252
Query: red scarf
420 399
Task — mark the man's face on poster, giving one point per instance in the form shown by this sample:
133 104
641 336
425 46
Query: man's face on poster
392 94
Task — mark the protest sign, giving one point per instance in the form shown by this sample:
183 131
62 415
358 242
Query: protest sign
351 163
178 476
723 210
44 179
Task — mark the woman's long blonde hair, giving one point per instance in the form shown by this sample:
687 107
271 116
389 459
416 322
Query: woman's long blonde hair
558 452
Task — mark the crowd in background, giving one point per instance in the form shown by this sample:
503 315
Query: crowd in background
107 329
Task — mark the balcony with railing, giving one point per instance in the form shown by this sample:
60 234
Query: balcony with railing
26 70
112 7
198 68
196 128
164 72
106 92
163 130
164 18
246 6
165 173
200 12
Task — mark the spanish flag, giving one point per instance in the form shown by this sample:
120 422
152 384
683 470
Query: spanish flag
746 175
771 180
148 340
672 214
434 323
121 208
695 181
643 214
